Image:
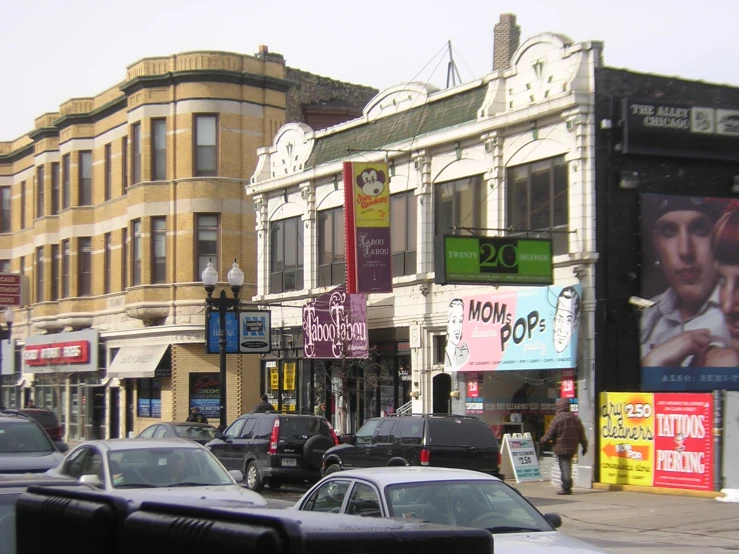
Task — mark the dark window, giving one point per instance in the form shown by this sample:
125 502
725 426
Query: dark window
23 265
363 502
264 431
23 205
366 432
136 251
206 242
108 172
286 259
40 182
439 348
5 209
331 254
537 200
124 259
445 431
206 145
403 233
40 274
66 181
158 149
384 433
234 431
295 427
411 430
55 192
55 262
85 198
159 249
75 463
460 203
248 431
124 164
136 153
149 398
4 266
65 268
84 273
328 498
107 253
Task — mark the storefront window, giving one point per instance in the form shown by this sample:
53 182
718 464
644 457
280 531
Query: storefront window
283 386
149 398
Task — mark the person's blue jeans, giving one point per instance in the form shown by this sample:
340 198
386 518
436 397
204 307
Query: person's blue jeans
565 468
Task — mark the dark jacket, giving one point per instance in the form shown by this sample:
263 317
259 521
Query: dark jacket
264 407
566 430
197 418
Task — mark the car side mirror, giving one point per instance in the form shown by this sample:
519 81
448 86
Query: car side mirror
346 438
237 475
554 519
62 446
92 480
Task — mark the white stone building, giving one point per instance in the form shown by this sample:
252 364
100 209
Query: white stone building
509 152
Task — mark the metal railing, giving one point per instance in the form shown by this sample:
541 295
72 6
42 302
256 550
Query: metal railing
405 408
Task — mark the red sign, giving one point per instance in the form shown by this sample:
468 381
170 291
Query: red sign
10 289
567 389
683 441
473 388
73 352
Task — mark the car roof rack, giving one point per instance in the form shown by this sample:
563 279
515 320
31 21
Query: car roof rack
13 411
433 415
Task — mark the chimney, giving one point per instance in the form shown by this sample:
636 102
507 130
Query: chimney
506 37
265 54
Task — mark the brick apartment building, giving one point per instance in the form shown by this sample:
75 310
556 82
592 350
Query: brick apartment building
111 208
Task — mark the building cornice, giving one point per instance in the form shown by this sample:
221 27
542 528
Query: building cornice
205 75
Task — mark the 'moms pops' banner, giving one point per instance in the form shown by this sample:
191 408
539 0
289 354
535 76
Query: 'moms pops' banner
660 440
367 225
526 329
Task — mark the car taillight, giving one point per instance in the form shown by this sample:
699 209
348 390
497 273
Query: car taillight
425 456
333 435
500 459
275 437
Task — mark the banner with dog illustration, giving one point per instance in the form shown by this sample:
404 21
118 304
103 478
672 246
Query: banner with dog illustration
367 228
657 440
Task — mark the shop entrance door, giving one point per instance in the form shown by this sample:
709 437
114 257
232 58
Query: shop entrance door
114 402
442 385
129 406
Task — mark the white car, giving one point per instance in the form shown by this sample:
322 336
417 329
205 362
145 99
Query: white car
456 497
177 467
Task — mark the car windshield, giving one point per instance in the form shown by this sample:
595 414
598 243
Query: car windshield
165 467
488 505
23 436
196 432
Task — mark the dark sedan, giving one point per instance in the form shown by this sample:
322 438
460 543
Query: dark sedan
201 433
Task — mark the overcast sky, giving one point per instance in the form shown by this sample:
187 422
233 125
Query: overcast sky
53 50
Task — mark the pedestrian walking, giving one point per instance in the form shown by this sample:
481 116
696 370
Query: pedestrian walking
567 432
195 416
264 405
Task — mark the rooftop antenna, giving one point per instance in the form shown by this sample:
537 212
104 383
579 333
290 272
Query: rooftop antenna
452 73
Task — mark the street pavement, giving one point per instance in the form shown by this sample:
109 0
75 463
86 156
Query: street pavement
620 522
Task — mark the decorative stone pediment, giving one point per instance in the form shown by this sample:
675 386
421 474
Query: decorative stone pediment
397 99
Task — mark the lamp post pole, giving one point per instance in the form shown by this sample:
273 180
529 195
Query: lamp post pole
224 304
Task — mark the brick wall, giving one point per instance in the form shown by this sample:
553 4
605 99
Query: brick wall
310 89
506 38
619 267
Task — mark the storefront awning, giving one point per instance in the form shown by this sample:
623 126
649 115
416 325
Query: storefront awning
137 362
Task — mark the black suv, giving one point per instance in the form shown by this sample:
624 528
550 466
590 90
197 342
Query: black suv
273 448
440 440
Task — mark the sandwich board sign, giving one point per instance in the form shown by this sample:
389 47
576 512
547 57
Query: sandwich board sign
519 456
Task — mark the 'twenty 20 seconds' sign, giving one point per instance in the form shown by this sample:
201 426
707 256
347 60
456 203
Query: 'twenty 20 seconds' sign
510 261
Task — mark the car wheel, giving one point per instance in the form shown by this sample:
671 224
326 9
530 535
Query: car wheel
253 479
333 468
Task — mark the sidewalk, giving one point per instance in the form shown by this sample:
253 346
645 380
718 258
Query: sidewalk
638 521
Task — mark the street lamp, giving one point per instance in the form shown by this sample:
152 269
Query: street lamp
223 304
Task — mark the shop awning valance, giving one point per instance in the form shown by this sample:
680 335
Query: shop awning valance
137 362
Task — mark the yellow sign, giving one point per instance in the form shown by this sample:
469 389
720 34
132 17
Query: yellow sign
627 438
274 378
371 194
288 380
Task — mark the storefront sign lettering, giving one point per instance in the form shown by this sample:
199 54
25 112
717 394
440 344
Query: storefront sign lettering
335 325
76 352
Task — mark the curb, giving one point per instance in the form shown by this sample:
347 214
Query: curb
658 490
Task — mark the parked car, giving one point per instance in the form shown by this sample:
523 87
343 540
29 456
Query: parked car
201 433
24 445
456 497
272 448
179 466
454 441
48 420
